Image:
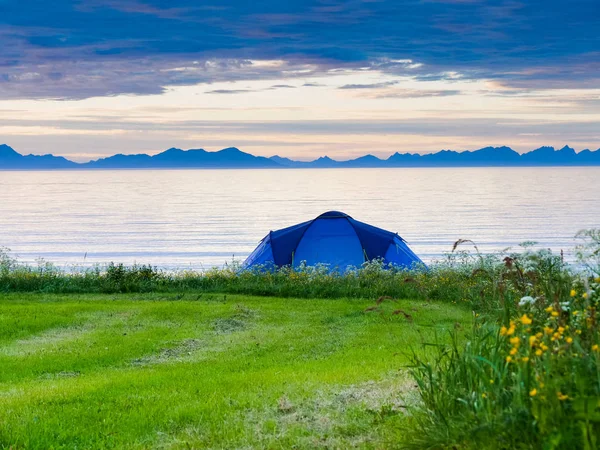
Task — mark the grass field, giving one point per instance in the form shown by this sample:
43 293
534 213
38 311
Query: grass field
209 371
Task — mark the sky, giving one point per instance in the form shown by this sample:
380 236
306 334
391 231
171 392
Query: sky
299 78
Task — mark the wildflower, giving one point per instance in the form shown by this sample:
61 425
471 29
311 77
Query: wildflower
513 351
532 340
525 359
516 341
595 347
539 335
562 397
561 330
527 300
554 314
556 335
538 352
548 330
533 392
544 347
578 331
503 331
573 293
584 295
525 320
569 340
549 309
508 359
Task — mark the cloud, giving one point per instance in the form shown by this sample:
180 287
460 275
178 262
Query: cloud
369 86
78 49
414 93
230 91
245 91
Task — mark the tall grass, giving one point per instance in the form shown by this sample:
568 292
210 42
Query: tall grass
458 278
528 376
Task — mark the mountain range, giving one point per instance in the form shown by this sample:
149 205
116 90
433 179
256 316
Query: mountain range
233 158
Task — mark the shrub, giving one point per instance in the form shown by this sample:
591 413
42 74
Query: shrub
528 376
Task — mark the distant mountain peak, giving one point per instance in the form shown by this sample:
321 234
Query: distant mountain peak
7 150
231 150
568 149
232 157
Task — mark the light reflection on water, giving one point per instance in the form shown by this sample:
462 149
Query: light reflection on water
200 218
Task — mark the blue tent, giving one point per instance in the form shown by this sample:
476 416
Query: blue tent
333 238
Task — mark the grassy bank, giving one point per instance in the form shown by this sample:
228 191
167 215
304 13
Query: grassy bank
221 371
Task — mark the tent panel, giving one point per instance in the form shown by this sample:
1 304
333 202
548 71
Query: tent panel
374 240
284 242
330 241
399 254
262 255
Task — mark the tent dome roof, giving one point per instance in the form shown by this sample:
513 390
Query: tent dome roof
333 215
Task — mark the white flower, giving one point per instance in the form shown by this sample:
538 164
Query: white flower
565 306
527 300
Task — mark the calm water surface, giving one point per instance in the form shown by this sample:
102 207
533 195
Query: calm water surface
200 218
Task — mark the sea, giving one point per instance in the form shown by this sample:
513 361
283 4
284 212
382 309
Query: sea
198 219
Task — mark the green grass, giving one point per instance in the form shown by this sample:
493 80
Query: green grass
209 371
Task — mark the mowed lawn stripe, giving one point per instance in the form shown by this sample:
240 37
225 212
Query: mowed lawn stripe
221 372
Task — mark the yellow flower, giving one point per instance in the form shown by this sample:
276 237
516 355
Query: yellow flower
549 309
533 392
556 335
548 330
508 359
516 341
584 295
539 335
561 330
513 351
575 313
539 352
503 331
595 347
544 347
525 320
483 395
562 397
569 340
532 340
578 331
525 359
573 293
554 314
511 330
